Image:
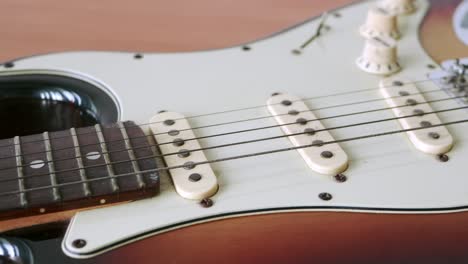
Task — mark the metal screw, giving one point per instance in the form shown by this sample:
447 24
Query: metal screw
296 52
162 111
173 132
443 157
434 135
293 112
178 142
9 64
325 196
286 103
138 56
275 94
431 66
183 153
341 178
207 202
194 177
79 243
169 122
246 48
189 165
326 154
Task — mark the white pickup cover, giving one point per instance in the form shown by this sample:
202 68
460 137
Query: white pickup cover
173 134
406 100
298 120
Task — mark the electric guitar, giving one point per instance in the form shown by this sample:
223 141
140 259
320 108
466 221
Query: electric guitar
339 140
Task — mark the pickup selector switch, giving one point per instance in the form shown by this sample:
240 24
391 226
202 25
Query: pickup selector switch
380 23
379 57
398 7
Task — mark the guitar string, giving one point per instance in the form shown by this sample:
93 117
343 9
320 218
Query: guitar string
209 126
236 143
256 107
205 137
255 154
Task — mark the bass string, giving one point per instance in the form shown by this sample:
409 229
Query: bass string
208 136
238 143
255 154
214 125
256 107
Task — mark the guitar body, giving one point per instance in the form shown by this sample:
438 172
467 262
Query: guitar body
398 205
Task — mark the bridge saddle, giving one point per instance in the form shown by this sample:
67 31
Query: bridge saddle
180 148
297 120
410 106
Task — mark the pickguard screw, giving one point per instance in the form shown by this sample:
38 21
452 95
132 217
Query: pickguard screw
246 48
325 196
341 178
207 202
443 157
79 243
138 56
431 66
275 94
296 52
9 64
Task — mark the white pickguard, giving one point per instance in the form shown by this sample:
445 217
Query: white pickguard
386 174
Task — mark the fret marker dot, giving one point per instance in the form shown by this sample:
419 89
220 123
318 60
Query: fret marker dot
93 155
37 164
42 210
102 201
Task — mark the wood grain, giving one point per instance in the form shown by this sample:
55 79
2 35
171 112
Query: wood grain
36 27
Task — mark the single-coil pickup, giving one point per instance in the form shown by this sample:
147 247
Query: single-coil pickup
180 148
413 112
297 120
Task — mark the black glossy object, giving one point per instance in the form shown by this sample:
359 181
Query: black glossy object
35 103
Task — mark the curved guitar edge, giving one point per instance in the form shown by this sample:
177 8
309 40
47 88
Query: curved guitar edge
305 237
278 216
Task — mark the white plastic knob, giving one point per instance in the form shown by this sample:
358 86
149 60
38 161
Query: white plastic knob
379 57
398 7
380 23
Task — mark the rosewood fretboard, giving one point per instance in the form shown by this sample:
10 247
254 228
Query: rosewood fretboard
75 168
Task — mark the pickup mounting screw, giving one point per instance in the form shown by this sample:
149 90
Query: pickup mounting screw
79 243
325 196
443 157
9 64
341 178
207 202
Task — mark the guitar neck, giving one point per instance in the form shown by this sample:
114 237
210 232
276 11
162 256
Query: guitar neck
75 168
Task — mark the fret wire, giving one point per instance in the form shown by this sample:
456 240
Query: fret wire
19 171
79 161
105 154
131 154
51 166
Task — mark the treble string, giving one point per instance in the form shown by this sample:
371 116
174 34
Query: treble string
243 142
215 135
250 108
215 125
255 154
